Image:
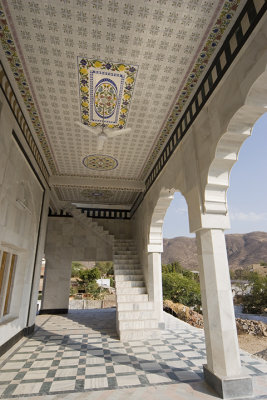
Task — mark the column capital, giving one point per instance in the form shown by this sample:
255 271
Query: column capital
155 248
210 221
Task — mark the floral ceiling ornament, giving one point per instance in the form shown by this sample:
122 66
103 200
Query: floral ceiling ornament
100 162
106 90
96 194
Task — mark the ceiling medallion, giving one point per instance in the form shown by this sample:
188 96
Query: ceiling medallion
96 194
106 90
100 162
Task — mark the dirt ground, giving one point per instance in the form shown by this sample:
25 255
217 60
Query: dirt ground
256 345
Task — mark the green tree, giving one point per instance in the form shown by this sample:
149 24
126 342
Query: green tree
88 275
73 290
94 290
104 267
181 289
256 301
110 271
75 269
173 267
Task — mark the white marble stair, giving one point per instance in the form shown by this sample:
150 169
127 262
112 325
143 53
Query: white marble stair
89 224
136 318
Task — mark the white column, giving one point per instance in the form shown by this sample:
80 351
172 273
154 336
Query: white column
155 285
222 348
57 282
38 262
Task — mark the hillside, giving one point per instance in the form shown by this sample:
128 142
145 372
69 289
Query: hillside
243 250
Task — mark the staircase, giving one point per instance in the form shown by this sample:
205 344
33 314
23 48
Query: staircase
136 319
88 223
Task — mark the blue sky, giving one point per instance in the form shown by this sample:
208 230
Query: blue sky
247 193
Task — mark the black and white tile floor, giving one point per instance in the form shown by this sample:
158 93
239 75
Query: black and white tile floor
79 353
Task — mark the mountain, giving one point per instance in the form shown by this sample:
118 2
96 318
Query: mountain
243 250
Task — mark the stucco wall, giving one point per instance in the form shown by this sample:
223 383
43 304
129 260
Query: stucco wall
21 198
120 229
68 240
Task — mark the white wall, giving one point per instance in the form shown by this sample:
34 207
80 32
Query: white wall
119 228
18 225
67 240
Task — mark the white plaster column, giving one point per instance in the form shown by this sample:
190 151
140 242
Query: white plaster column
57 284
59 255
219 319
38 261
155 285
223 369
154 249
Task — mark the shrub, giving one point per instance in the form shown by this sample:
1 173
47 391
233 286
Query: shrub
86 276
173 267
73 290
181 289
105 267
93 289
75 269
256 301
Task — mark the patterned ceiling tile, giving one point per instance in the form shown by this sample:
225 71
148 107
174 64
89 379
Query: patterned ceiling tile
89 196
17 69
171 42
227 13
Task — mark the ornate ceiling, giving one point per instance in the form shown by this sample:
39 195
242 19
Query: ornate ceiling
146 56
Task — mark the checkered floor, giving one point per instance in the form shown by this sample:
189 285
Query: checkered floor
80 352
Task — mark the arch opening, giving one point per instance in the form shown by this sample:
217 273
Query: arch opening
228 147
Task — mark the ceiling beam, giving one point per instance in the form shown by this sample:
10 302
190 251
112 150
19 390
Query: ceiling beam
97 183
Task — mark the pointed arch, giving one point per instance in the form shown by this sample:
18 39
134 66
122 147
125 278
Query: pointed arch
155 241
228 147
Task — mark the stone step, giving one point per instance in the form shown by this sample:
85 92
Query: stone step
128 277
124 244
125 252
128 260
130 307
129 284
136 315
134 298
130 290
124 249
135 334
132 271
125 258
137 324
124 241
127 267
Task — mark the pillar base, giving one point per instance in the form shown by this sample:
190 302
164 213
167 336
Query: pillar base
54 311
238 387
28 330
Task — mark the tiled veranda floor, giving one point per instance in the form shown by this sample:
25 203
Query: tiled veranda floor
78 356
